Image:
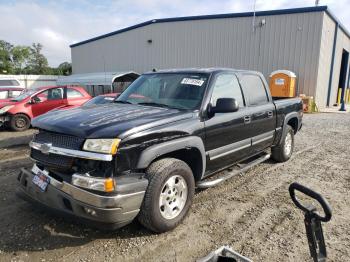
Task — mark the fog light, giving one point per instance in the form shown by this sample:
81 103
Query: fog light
90 211
94 183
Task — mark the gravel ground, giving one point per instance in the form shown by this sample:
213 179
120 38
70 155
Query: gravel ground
10 138
252 213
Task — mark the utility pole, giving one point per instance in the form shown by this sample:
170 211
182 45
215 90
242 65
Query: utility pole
254 17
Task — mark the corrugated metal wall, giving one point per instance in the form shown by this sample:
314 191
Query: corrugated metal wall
289 41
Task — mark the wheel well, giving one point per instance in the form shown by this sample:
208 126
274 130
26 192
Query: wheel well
191 156
22 114
293 122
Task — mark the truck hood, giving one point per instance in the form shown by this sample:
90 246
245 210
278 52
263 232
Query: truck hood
107 121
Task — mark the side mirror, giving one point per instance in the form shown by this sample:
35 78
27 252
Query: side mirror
225 105
35 100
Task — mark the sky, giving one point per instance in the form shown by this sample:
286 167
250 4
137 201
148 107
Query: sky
58 24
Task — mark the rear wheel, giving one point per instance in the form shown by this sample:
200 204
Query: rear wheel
19 122
284 150
168 196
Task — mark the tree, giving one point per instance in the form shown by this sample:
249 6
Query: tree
5 57
20 58
37 62
28 60
65 68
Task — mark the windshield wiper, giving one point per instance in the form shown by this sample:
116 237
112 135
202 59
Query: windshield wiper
156 104
122 102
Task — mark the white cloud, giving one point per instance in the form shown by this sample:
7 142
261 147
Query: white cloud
57 24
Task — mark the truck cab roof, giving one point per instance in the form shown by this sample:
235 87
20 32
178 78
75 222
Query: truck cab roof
208 70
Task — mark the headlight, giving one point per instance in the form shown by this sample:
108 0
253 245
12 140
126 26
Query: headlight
94 183
5 109
107 146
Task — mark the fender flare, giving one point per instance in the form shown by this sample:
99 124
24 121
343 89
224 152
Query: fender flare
288 117
155 151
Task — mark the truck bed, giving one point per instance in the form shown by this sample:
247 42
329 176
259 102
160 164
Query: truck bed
285 106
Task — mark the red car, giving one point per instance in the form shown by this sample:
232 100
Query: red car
19 111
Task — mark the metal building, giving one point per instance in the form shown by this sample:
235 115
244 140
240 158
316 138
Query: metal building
308 41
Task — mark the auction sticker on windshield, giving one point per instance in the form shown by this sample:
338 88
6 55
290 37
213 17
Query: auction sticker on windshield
41 178
192 81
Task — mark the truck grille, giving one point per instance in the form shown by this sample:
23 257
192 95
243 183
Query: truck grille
59 140
58 161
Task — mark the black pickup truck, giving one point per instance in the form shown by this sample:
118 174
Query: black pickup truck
166 134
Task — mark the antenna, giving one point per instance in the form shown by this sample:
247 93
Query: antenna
254 17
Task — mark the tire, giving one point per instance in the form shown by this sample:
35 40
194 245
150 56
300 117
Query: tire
19 122
284 150
155 213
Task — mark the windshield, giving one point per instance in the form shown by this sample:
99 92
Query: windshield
173 90
99 100
24 95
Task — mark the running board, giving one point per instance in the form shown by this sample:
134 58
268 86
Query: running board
243 168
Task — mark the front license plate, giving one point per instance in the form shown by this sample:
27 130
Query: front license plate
40 179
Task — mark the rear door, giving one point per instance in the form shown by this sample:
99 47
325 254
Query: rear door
261 113
227 139
75 97
48 100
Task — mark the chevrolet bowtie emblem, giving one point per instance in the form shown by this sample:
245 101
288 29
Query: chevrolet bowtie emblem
45 148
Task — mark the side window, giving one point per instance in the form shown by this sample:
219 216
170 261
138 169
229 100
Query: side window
226 86
72 93
43 96
13 94
55 94
254 90
3 94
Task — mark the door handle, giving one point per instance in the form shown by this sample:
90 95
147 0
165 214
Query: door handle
269 114
259 114
247 119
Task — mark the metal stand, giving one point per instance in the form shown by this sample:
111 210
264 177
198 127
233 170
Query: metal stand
313 221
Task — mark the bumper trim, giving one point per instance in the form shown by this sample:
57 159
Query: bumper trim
87 197
49 149
66 199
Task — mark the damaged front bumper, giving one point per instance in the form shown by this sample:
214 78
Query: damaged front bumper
102 211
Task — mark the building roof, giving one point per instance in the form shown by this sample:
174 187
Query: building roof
220 16
101 78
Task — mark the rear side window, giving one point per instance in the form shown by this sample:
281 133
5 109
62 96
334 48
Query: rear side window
72 93
254 90
13 94
226 86
3 94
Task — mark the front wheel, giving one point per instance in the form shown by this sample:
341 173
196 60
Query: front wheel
284 150
168 196
19 122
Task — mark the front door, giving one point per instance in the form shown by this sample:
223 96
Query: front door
226 139
48 100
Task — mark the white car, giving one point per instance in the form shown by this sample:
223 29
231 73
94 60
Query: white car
9 82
